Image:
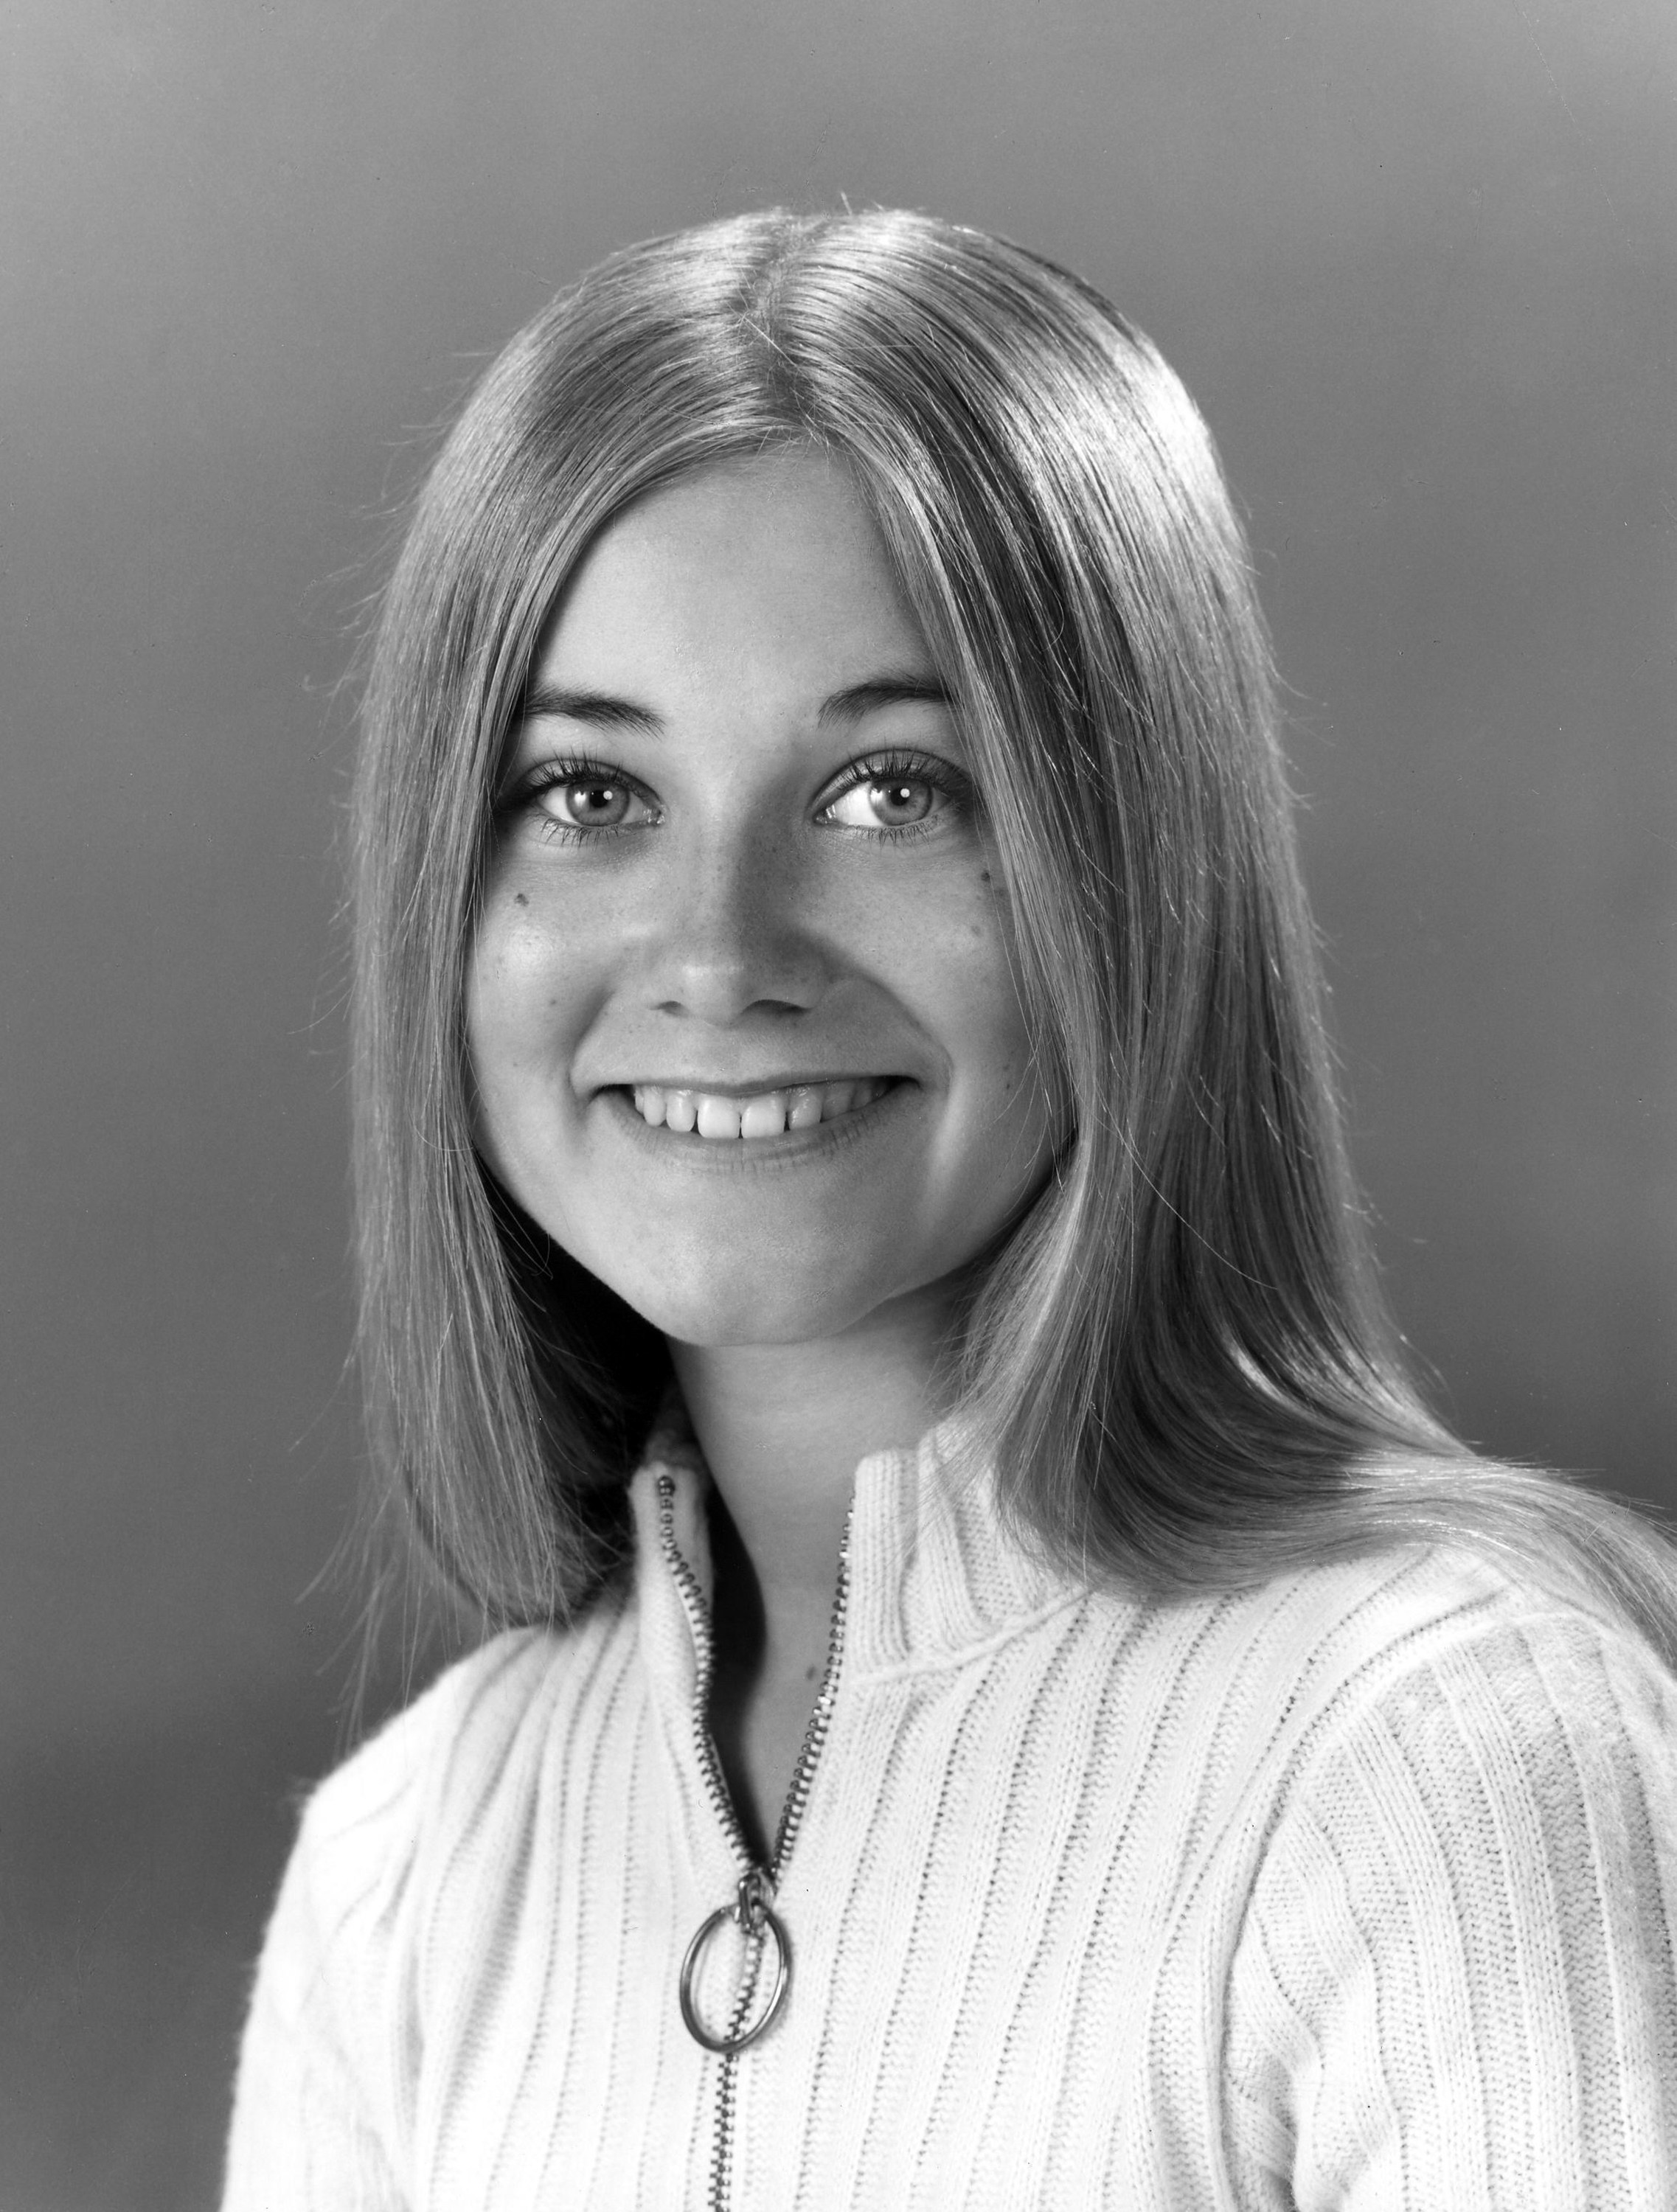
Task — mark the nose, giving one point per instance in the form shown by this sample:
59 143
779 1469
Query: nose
732 935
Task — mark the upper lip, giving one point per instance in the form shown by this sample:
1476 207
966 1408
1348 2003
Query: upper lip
757 1089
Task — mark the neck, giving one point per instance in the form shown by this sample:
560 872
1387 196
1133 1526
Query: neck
783 1427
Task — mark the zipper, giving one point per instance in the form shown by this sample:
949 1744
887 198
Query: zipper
753 1908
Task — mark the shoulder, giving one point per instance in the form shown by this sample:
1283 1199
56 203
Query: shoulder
466 1714
1400 1686
360 1929
1468 1750
1461 1914
1445 1644
1516 1711
464 1754
1328 1647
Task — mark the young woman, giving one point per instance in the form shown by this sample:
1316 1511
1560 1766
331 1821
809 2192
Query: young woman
1004 1697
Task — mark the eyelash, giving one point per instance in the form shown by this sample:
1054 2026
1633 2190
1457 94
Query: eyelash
553 774
947 782
951 787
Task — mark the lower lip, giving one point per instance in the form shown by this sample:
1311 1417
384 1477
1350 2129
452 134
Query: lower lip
741 1155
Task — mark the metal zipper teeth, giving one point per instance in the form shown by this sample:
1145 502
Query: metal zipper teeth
821 1714
698 1620
798 1796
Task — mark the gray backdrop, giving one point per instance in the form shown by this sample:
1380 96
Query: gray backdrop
1416 260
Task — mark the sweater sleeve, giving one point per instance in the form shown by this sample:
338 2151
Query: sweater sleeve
331 2052
1454 1989
305 2134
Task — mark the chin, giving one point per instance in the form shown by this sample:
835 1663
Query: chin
716 1303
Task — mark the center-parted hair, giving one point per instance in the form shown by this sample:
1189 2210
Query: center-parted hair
1176 1361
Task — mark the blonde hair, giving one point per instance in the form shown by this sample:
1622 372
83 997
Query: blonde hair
1178 1362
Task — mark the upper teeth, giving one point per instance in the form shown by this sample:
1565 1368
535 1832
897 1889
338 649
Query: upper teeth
766 1116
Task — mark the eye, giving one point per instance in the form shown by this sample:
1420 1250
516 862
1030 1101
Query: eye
889 804
591 802
574 799
901 795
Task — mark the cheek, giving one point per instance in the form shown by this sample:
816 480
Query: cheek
523 1012
965 980
971 977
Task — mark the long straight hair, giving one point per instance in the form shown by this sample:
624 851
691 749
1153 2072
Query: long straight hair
1177 1363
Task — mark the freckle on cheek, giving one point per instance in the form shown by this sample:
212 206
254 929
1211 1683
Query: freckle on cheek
519 899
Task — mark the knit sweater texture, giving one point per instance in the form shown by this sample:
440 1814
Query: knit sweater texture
1359 1890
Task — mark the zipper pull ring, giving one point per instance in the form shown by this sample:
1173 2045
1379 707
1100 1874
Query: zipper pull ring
758 1921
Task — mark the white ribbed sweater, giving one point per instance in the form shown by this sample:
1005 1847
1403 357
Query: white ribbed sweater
1356 1891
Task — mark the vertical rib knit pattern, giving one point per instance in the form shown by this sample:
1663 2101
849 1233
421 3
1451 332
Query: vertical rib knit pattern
1356 1891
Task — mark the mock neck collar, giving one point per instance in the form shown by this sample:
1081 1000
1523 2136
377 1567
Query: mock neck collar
935 1571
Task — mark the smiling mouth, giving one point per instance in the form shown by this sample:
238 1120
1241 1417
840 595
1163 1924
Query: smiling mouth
723 1118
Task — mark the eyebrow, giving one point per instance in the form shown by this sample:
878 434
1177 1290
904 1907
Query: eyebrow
603 712
849 706
599 708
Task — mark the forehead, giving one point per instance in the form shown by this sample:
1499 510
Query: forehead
772 564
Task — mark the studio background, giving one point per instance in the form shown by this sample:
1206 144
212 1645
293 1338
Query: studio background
1415 262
